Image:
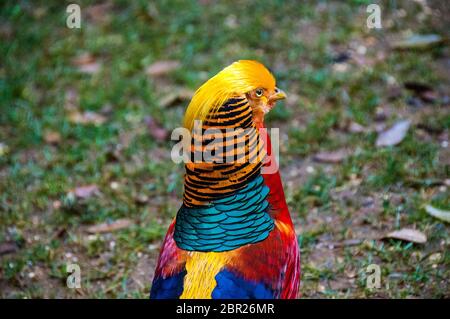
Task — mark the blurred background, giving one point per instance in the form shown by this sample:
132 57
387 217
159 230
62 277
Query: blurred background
86 116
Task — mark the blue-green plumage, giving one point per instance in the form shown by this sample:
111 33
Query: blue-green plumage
227 223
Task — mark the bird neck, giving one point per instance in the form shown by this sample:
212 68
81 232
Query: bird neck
272 179
238 151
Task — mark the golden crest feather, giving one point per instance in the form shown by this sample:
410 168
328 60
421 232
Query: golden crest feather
235 80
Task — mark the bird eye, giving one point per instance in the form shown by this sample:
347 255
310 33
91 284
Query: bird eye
259 92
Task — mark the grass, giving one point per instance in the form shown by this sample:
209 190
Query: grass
371 192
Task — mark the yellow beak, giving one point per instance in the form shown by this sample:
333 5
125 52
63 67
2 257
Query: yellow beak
278 95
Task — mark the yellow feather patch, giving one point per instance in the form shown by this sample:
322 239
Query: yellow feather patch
235 80
202 269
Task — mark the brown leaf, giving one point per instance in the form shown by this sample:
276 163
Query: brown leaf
418 41
408 234
350 242
8 248
417 87
141 199
341 57
52 137
82 59
380 115
429 96
4 149
354 127
86 63
158 132
350 272
90 68
176 96
71 100
60 233
110 227
393 135
99 13
162 67
424 91
379 127
441 214
86 191
56 204
333 157
6 30
114 152
87 117
339 284
394 92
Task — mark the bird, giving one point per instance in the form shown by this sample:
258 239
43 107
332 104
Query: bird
233 237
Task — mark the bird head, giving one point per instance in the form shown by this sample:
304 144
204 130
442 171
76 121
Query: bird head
262 100
242 78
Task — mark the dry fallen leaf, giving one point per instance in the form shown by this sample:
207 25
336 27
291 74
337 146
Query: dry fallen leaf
339 284
52 137
87 117
418 41
408 234
333 157
379 127
99 13
350 272
340 67
435 258
394 135
394 91
71 100
341 57
141 199
424 91
162 67
3 149
321 288
84 58
84 192
56 204
110 227
441 214
6 30
381 114
8 248
158 132
86 63
176 96
354 127
90 68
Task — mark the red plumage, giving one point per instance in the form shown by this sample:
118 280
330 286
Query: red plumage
233 236
274 261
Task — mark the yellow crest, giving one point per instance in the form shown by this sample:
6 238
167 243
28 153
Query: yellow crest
236 79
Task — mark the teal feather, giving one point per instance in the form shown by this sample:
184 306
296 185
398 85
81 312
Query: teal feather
227 223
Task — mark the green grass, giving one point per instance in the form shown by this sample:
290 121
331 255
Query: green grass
371 192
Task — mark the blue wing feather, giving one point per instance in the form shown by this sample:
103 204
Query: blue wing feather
231 286
168 288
